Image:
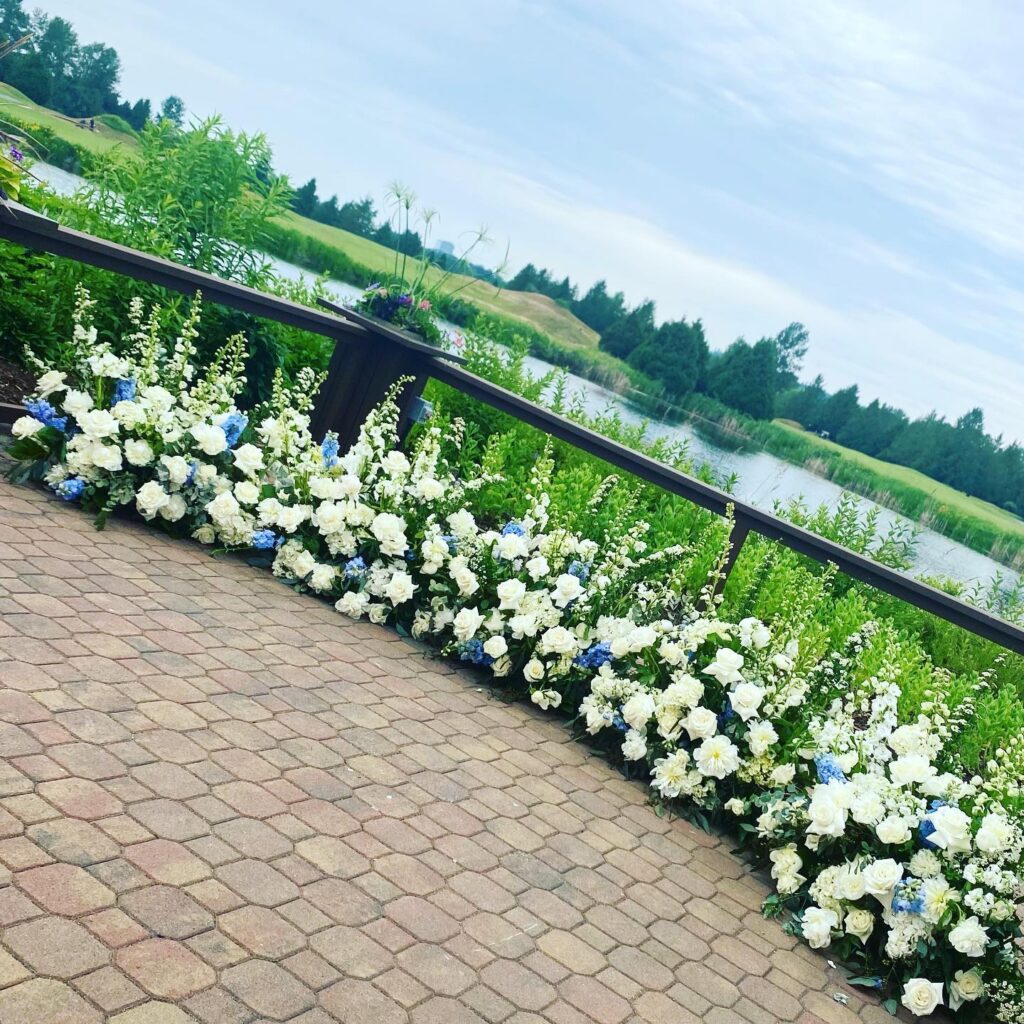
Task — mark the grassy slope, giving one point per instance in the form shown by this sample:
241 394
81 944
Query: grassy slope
17 104
941 493
537 310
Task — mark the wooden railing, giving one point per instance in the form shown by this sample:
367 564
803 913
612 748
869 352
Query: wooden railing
369 356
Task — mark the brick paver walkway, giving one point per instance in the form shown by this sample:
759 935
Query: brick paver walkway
225 802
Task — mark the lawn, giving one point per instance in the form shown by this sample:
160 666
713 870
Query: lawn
941 493
537 310
16 104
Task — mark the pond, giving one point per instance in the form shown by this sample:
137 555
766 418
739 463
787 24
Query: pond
760 478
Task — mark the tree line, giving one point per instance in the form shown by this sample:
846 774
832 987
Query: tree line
80 80
761 380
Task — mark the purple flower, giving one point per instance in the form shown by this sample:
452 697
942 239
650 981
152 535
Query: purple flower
16 154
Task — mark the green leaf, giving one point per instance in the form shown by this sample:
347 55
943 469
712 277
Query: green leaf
892 1006
28 448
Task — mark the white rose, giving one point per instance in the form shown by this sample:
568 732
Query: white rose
510 594
322 577
510 546
881 877
701 723
150 498
995 834
545 699
247 492
129 414
534 670
466 623
911 769
966 987
635 746
746 699
523 625
558 640
817 926
174 509
106 456
784 774
754 633
859 923
429 489
51 381
223 507
726 666
969 937
760 738
716 757
537 567
495 646
465 579
851 886
826 813
210 439
893 830
77 403
921 996
952 829
248 458
352 604
303 563
178 468
566 590
98 424
400 588
735 806
26 426
138 453
638 710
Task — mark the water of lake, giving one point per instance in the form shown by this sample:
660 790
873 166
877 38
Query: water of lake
761 478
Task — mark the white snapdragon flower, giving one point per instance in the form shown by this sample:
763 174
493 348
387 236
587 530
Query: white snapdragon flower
921 996
138 453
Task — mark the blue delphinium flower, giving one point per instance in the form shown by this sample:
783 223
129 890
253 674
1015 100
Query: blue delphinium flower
473 652
727 714
513 528
233 427
618 722
581 570
453 543
124 390
71 489
191 472
329 450
594 656
354 568
264 540
828 769
41 409
904 900
926 828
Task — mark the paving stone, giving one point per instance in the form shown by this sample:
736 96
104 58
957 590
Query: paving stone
65 889
73 841
55 946
263 932
268 989
354 1002
351 951
109 989
258 883
165 969
153 1012
168 862
44 1001
167 912
169 819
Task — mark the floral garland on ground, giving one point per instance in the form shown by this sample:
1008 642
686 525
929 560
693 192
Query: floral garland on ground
881 846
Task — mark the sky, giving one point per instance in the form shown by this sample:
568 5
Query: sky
856 166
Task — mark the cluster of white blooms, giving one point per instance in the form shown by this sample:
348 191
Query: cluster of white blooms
879 842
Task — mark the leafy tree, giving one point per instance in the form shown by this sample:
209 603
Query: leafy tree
358 216
676 355
597 309
791 346
805 403
839 408
630 331
744 377
138 114
873 428
173 109
304 199
327 211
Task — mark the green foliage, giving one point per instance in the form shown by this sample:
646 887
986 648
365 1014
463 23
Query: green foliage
676 355
744 377
117 123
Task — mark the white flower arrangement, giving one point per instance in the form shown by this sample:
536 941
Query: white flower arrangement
881 846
